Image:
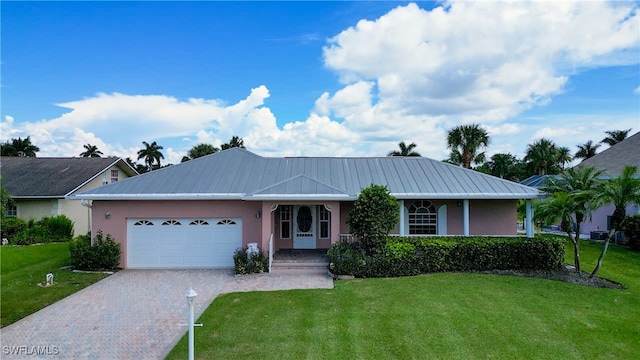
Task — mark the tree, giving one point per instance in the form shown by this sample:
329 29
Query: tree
620 191
200 150
19 147
586 150
374 214
502 165
465 142
151 154
91 151
615 136
404 150
234 142
571 201
563 156
541 156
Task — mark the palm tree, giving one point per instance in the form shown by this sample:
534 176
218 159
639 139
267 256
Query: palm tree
620 191
563 156
465 142
151 154
541 156
405 150
586 150
19 147
572 201
615 136
234 142
502 165
200 150
91 151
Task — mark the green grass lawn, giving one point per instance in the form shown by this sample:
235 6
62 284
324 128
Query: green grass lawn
23 267
437 316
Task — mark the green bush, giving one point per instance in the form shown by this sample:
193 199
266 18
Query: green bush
374 214
402 256
57 229
103 255
631 228
249 264
11 227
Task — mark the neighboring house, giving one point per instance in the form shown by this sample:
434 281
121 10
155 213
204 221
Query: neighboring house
195 214
611 161
39 186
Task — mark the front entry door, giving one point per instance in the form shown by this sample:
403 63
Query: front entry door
304 228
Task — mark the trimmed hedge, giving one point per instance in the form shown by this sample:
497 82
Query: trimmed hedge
403 256
48 229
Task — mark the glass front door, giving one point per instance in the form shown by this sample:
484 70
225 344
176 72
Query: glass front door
304 228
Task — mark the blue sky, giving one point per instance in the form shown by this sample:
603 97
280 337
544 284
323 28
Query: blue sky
316 78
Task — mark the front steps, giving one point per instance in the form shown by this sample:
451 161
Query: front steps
299 262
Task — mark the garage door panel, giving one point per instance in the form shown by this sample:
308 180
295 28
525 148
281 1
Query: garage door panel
182 242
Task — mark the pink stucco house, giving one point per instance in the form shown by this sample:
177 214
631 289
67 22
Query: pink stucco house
197 213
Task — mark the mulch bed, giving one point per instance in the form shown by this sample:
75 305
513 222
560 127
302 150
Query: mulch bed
566 274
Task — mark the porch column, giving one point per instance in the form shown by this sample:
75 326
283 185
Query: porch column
334 225
529 219
465 217
401 229
266 217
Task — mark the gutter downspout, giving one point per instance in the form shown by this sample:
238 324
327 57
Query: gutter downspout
89 204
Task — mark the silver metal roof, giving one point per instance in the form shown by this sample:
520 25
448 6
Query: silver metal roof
239 174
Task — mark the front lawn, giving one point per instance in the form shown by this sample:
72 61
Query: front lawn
439 316
23 267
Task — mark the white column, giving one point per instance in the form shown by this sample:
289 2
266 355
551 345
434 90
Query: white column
401 228
465 217
529 219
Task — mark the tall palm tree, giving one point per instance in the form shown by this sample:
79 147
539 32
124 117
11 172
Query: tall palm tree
404 150
615 136
151 154
19 147
465 142
572 202
91 151
620 191
563 156
234 142
200 150
586 150
541 156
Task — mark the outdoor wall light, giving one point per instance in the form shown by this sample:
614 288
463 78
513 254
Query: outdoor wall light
107 215
459 203
258 214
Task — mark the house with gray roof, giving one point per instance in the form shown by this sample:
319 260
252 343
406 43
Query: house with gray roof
39 186
195 214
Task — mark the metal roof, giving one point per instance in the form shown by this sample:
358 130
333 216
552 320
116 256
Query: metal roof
239 174
36 178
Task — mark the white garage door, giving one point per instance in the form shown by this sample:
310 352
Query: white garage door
182 243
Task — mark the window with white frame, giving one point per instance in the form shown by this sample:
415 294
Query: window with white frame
324 216
12 211
114 175
104 178
285 221
423 218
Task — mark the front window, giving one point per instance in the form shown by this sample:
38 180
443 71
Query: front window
285 221
324 215
422 218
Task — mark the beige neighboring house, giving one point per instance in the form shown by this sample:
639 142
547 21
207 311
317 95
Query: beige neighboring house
39 186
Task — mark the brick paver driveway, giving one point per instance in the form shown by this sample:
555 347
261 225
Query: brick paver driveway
133 314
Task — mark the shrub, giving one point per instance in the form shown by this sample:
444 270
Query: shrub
59 228
374 214
249 263
103 255
12 227
417 255
631 228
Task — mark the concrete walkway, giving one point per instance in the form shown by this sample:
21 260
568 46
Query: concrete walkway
133 314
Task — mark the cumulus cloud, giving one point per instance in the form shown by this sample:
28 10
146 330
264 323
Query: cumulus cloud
409 75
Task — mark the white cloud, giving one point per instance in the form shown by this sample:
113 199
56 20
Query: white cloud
637 90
